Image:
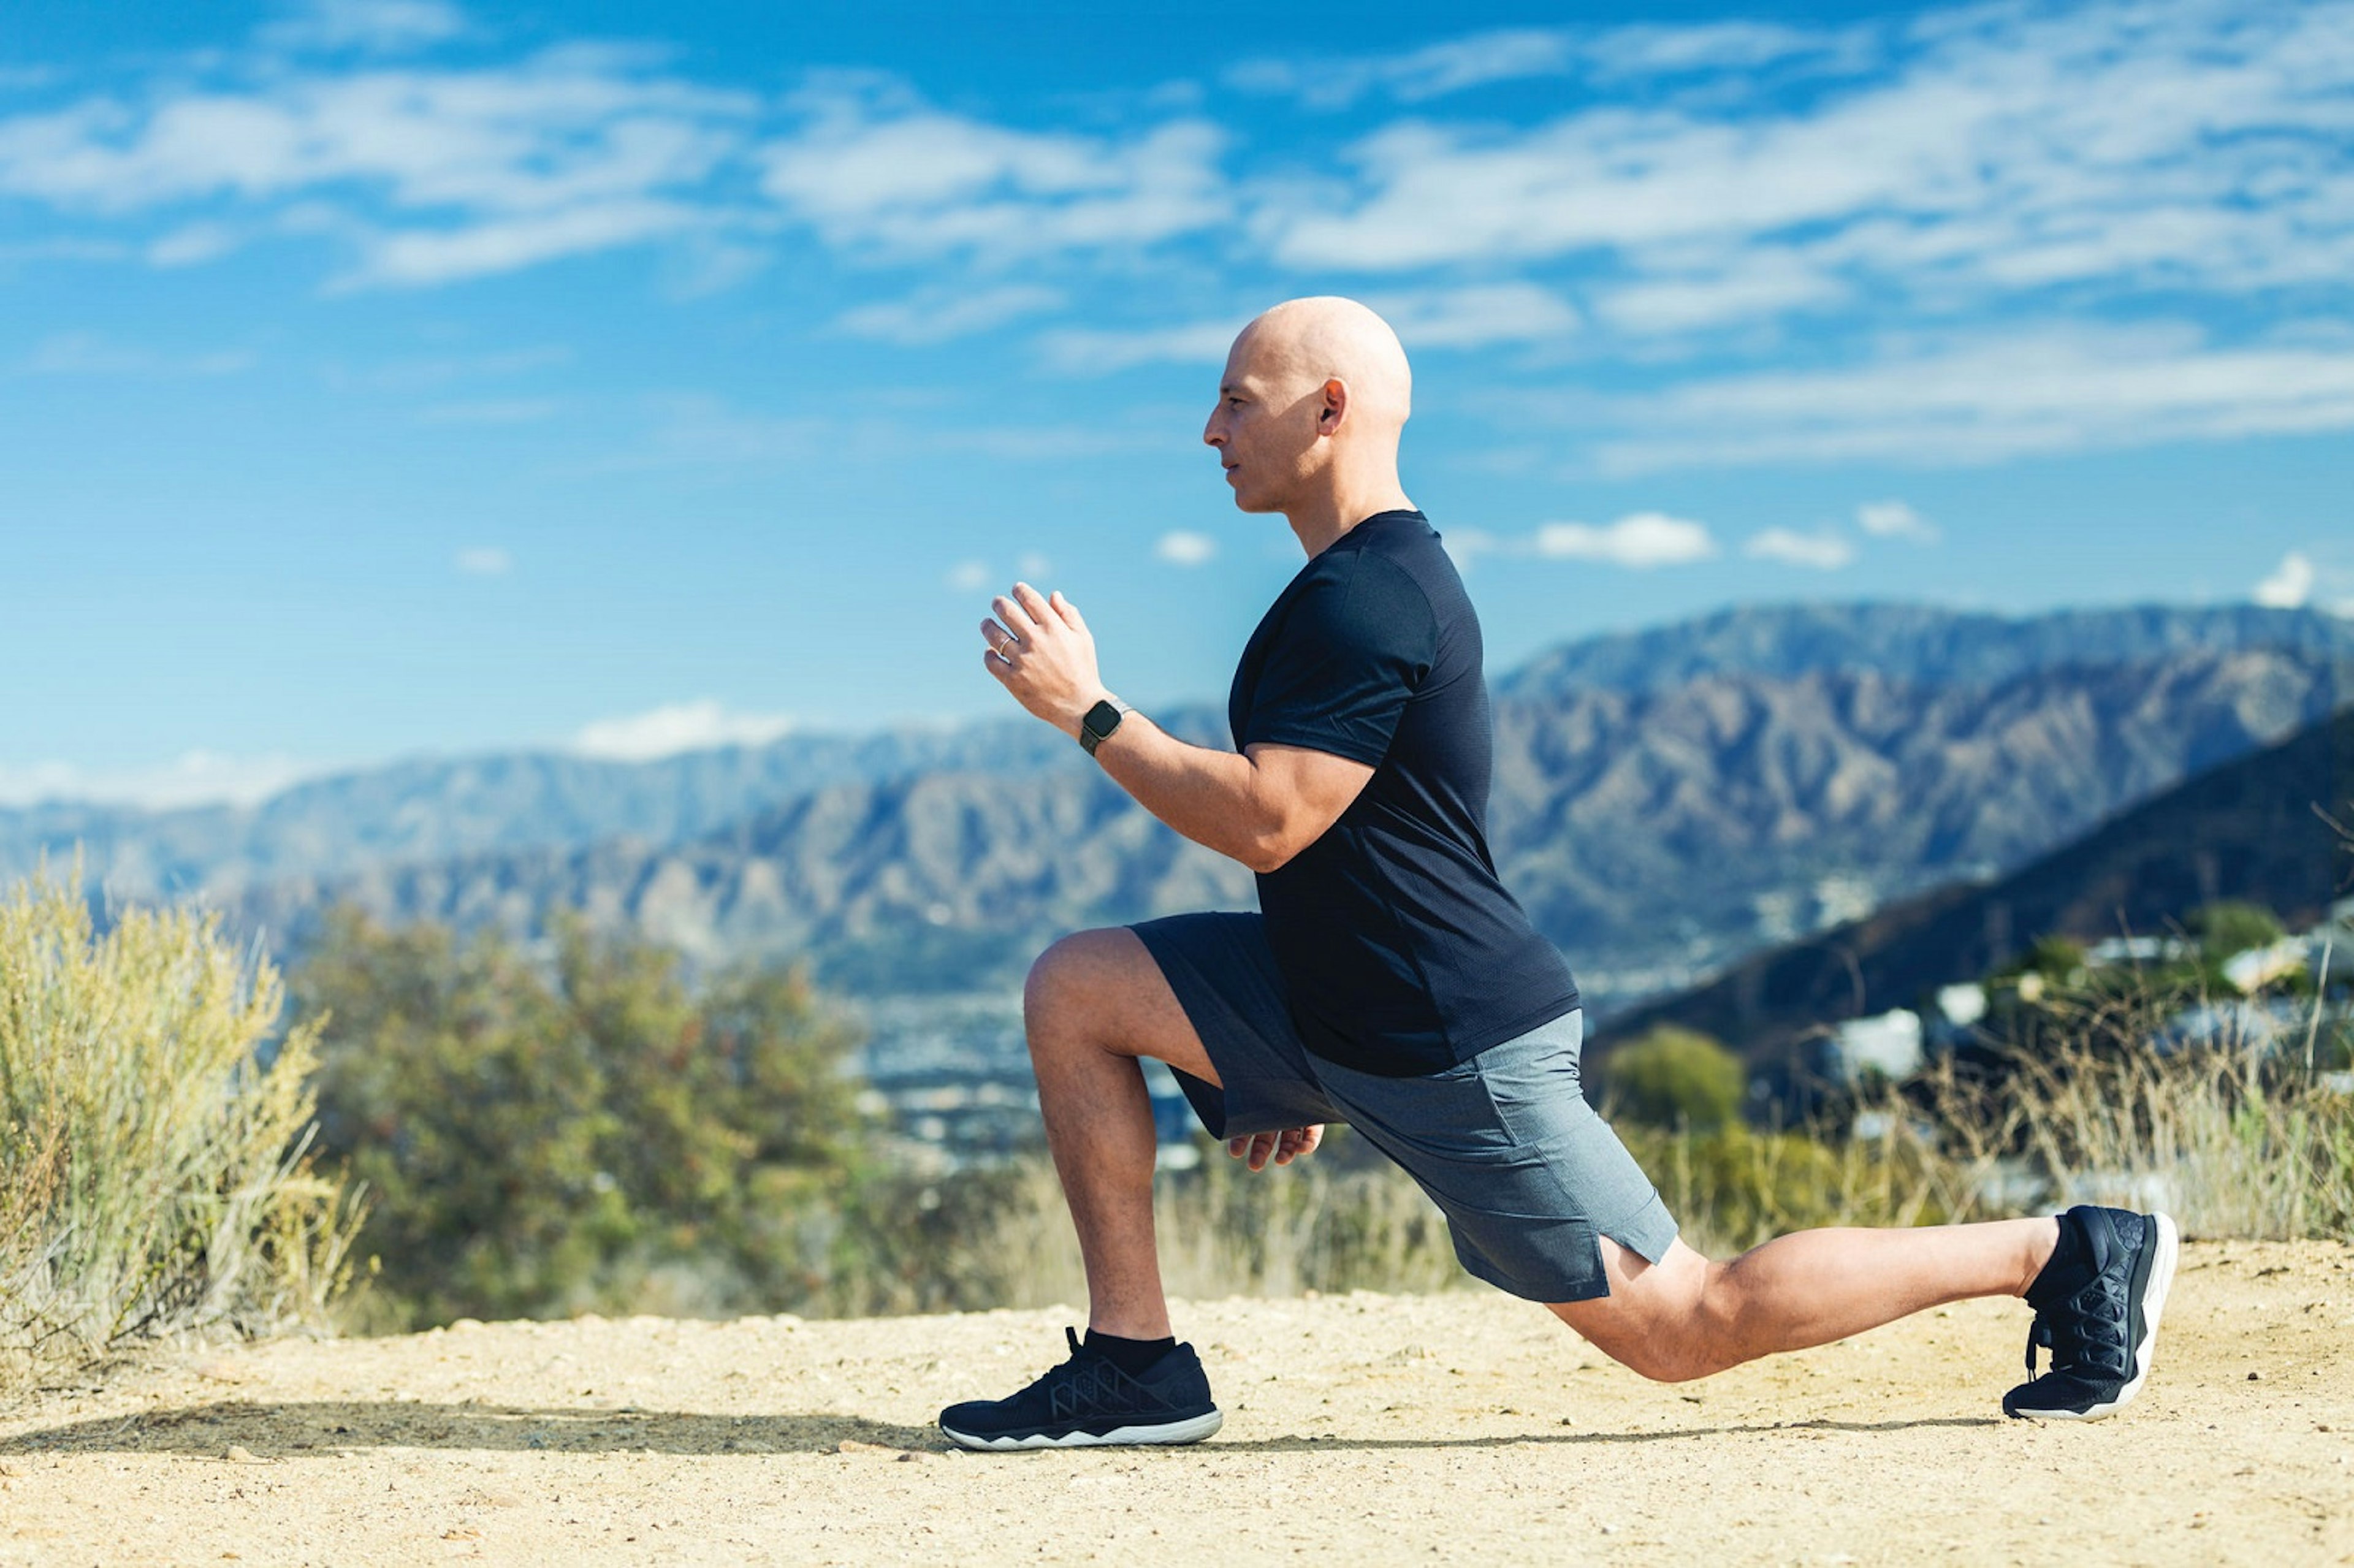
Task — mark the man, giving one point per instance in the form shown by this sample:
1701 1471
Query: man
1391 982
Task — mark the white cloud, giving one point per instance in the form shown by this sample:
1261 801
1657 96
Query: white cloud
1476 316
1184 548
421 257
1081 351
1984 397
193 244
1641 540
1517 54
1747 287
969 577
937 315
431 175
1894 520
2290 584
87 354
485 561
1823 552
379 25
873 170
1451 66
2004 150
194 778
700 725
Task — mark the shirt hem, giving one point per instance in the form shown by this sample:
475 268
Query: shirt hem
1461 1051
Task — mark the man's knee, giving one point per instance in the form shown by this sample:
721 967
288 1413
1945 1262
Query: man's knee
1066 983
1659 1320
1659 1351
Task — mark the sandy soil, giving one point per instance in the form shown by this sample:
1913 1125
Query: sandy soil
1359 1429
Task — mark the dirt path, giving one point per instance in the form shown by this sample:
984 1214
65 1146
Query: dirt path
1365 1429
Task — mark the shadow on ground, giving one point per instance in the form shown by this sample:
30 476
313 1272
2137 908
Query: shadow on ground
277 1431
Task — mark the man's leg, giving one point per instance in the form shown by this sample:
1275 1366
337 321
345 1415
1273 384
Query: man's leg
1094 1002
1686 1316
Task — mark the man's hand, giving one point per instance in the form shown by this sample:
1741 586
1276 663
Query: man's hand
1285 1146
1041 651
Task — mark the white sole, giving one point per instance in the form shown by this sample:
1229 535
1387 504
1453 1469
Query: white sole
2153 1303
1192 1430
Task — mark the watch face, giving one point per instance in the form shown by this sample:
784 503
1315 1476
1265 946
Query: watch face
1103 719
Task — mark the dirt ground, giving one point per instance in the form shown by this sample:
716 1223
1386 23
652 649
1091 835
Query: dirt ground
1359 1429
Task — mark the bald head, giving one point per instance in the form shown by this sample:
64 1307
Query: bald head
1306 343
1315 395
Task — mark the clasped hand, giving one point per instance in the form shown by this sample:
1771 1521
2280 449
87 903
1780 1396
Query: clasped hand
1284 1147
1041 651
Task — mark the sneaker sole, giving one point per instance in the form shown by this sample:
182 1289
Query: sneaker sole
1191 1430
2155 1285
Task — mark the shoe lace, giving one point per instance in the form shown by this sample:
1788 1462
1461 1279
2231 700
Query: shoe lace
2086 1333
1088 1383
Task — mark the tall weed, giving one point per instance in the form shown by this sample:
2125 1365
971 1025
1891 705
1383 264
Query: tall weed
2081 1103
155 1170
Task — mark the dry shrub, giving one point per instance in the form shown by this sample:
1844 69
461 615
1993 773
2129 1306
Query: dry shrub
2234 1138
155 1176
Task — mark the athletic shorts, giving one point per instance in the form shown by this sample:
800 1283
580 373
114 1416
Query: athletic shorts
1505 1144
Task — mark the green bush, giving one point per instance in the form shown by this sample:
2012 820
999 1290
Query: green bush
586 1133
2232 927
155 1169
1675 1077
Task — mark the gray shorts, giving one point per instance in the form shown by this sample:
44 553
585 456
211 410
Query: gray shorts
1504 1143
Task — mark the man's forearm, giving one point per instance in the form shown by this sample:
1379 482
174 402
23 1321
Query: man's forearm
1215 798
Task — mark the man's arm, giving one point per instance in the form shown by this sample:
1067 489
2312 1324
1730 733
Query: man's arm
1261 808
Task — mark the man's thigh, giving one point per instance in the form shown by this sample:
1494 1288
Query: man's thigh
1104 986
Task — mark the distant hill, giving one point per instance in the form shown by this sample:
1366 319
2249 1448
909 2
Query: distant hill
1653 836
2246 830
436 809
421 811
1917 643
1666 801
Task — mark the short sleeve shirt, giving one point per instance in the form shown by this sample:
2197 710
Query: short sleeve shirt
1400 949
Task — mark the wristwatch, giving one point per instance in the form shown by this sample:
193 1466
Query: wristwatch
1100 721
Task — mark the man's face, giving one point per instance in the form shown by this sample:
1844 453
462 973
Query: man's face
1263 428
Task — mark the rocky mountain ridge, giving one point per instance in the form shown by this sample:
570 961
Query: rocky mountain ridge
1653 835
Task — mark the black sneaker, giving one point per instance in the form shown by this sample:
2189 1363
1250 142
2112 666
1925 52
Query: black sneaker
1088 1400
2097 1308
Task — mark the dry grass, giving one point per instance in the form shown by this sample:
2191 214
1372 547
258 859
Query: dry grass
153 1177
2233 1141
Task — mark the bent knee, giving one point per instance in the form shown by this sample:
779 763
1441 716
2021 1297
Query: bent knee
1068 978
1660 1358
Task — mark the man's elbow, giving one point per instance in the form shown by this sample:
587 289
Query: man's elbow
1272 848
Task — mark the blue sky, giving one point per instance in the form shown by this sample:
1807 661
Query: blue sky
386 377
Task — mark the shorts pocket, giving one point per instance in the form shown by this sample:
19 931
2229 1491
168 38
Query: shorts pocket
1539 1257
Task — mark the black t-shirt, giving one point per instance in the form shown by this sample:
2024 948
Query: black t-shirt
1401 950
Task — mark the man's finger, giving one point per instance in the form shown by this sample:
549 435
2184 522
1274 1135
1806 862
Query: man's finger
1035 603
996 664
1015 619
1068 611
999 640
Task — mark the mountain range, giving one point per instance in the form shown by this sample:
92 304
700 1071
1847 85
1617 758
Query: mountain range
1666 801
2265 827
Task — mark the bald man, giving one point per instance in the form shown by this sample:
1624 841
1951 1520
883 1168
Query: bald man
1390 981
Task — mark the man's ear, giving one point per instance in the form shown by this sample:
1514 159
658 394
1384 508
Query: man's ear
1336 405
